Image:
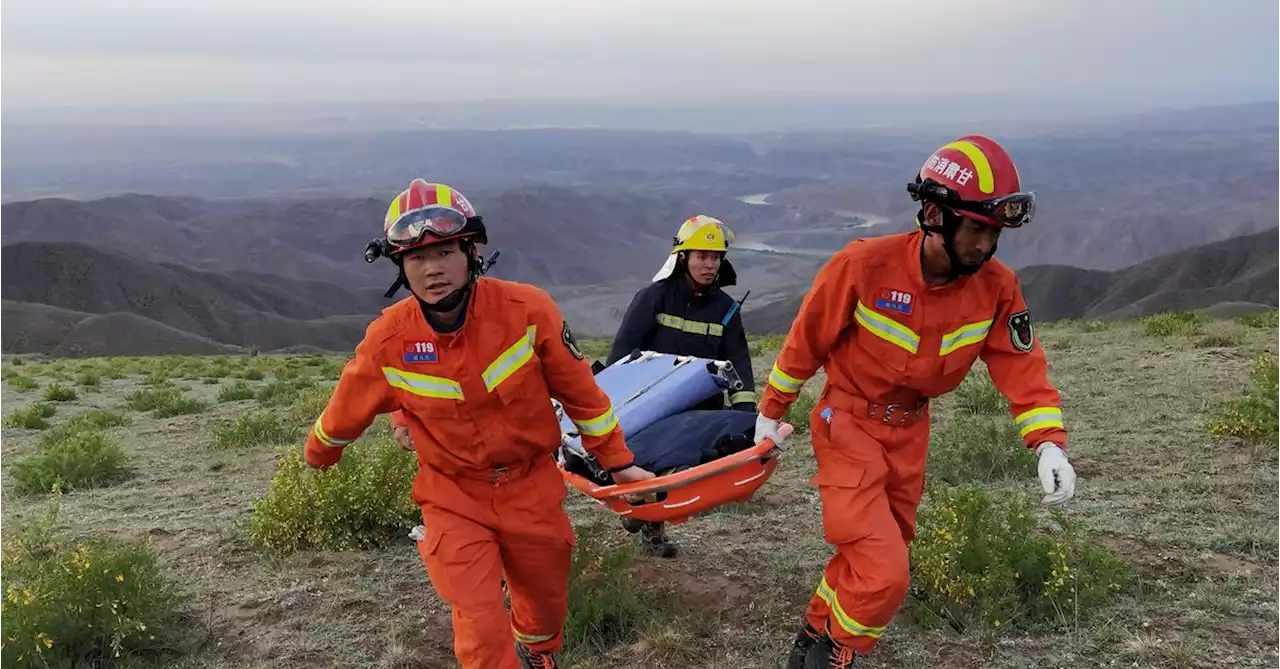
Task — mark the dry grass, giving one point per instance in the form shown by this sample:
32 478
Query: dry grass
1195 515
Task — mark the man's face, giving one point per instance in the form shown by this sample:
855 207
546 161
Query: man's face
435 271
974 240
704 266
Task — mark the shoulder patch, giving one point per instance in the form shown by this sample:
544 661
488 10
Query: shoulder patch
570 343
1021 334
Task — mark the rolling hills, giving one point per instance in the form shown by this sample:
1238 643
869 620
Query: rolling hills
1238 270
76 299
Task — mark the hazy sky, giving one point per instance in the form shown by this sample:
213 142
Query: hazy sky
128 52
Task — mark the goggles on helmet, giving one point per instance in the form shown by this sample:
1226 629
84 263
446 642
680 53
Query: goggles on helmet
439 221
1011 211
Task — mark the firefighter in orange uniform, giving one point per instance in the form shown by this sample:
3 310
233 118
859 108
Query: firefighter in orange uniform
470 365
895 321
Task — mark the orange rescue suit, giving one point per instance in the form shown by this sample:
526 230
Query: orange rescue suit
478 406
888 342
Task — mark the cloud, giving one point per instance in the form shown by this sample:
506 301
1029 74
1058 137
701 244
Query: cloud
140 51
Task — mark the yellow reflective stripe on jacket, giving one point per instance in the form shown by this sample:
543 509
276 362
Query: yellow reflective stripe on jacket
421 384
886 328
828 595
527 639
1039 419
784 381
692 327
326 439
598 426
972 333
511 360
744 396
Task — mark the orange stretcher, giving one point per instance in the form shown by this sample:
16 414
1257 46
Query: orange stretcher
675 497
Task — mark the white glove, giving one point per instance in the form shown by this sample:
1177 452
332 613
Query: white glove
1056 475
767 428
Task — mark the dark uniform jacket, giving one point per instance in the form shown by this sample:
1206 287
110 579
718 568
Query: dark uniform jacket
668 317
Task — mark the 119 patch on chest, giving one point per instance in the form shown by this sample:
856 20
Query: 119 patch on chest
420 351
895 300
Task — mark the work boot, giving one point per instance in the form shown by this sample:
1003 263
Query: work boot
653 537
805 638
827 653
532 659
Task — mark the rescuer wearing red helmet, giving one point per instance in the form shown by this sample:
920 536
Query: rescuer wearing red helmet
467 366
895 321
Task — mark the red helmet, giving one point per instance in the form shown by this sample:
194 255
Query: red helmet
429 213
975 176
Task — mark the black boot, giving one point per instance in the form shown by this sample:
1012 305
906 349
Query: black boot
531 659
656 542
805 638
653 537
827 653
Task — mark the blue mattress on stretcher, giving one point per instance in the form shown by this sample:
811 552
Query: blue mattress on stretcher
653 387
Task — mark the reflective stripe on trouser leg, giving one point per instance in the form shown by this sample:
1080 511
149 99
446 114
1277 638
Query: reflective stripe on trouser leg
854 605
865 583
536 541
537 571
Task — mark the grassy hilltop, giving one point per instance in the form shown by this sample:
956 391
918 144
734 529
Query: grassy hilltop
186 533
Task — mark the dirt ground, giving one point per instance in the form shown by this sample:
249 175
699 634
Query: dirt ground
1195 514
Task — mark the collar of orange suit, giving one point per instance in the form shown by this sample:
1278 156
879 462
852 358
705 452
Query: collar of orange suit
463 317
915 267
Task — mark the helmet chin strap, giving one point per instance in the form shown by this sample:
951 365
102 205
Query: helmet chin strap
950 224
454 299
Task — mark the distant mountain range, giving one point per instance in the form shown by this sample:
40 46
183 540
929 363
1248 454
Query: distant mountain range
1242 271
588 215
72 299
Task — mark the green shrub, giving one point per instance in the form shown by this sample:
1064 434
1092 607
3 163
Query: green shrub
1262 319
983 563
21 383
1253 417
282 393
165 401
978 395
159 379
309 404
979 448
1173 323
60 393
94 602
148 399
798 413
607 605
758 345
361 502
31 417
235 392
89 379
253 374
254 430
71 459
93 420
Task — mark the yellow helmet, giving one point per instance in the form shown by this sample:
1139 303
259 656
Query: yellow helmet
701 233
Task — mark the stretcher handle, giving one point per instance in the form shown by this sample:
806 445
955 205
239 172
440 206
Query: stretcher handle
681 479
